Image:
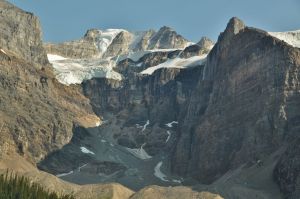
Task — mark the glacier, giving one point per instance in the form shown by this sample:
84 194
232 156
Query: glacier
290 37
75 71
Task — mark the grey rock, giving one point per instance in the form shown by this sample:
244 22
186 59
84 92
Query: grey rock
287 171
37 113
120 45
244 107
205 43
201 48
158 98
144 42
78 49
167 38
21 34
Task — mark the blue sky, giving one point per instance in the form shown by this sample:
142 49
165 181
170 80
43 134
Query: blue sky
64 20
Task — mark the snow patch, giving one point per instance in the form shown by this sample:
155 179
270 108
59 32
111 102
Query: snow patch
177 63
139 153
64 174
138 126
171 124
290 37
145 126
103 141
176 181
169 136
85 150
52 57
158 173
79 168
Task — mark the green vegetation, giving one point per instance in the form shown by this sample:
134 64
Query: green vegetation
16 187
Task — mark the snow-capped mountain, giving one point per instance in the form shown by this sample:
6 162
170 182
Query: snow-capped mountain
227 123
75 62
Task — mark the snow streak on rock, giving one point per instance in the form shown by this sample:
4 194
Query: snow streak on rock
177 63
169 136
145 126
158 173
171 124
85 150
139 153
64 174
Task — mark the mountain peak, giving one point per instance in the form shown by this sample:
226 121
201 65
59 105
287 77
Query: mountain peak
205 42
91 34
235 25
166 28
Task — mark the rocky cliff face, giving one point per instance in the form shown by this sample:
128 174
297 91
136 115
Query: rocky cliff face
21 34
287 171
73 49
120 45
158 98
37 114
144 42
245 106
230 112
202 47
167 38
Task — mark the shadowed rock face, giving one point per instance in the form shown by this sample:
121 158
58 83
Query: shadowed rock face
245 106
287 171
202 47
21 34
159 98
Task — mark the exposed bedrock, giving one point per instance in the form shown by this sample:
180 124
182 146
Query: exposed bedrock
245 106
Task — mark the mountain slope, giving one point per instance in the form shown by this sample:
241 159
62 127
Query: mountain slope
239 106
172 112
35 108
249 110
21 34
